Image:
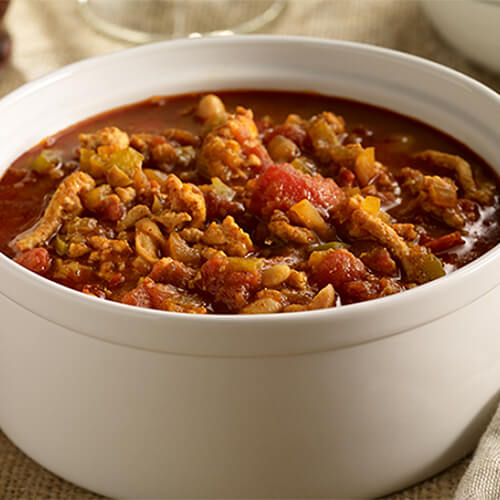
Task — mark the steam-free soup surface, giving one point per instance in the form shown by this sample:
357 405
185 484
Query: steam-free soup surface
247 202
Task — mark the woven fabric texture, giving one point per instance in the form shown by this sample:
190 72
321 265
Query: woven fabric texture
48 34
481 481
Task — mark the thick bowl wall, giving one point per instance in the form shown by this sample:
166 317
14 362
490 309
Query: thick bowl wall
350 423
340 403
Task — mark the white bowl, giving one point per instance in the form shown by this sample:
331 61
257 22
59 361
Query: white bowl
471 26
349 402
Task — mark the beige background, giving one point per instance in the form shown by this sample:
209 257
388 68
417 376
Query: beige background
48 34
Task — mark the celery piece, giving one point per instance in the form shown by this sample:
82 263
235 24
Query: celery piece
61 246
334 245
47 160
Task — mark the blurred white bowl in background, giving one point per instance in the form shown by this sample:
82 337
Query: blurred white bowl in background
471 26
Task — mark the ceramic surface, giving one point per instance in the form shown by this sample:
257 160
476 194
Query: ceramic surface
471 26
349 402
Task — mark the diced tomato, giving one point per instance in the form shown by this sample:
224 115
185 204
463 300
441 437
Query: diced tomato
445 242
290 131
164 297
168 270
159 293
358 291
337 267
37 260
116 280
281 186
230 288
346 177
149 294
379 260
261 153
263 125
140 295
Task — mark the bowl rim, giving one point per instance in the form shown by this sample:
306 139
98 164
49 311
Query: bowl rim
346 312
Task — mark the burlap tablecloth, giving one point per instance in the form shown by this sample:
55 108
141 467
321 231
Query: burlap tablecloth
48 34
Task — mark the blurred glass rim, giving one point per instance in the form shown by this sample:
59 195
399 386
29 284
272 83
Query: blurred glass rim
3 8
137 36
